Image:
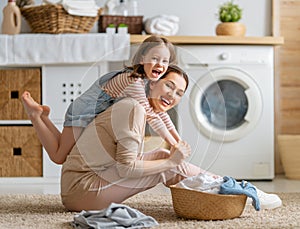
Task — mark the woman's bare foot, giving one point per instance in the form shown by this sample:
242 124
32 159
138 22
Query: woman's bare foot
32 108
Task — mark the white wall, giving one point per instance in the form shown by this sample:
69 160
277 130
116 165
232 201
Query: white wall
198 17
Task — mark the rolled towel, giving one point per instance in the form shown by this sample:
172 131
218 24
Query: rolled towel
81 7
166 25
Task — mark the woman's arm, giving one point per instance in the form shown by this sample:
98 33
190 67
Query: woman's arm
178 153
133 167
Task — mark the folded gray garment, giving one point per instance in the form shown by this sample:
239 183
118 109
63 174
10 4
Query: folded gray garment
115 216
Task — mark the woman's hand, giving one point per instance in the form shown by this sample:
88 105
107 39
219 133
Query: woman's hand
179 152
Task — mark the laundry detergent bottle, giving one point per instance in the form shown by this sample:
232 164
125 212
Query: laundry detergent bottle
11 23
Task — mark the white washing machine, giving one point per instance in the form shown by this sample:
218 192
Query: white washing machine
227 113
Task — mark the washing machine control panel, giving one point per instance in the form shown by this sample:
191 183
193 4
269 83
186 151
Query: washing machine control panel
199 55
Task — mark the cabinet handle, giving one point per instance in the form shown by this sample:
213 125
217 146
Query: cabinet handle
14 94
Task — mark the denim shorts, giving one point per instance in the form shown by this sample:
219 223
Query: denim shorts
92 102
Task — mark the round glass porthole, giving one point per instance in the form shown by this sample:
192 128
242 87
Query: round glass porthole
228 113
226 104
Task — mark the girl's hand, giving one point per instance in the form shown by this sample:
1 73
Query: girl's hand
179 152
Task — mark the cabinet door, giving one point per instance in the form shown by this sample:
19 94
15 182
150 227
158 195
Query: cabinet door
13 82
62 84
20 152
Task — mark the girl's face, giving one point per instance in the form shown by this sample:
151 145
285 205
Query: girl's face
167 92
156 62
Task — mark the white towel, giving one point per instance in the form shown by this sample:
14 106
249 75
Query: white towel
166 25
81 7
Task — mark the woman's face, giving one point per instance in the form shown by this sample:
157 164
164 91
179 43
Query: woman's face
156 62
166 93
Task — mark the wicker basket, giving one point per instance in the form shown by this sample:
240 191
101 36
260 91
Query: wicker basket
134 23
192 204
289 149
54 19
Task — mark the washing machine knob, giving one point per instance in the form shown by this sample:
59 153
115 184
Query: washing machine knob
224 56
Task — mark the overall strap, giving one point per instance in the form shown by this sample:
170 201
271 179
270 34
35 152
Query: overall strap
103 79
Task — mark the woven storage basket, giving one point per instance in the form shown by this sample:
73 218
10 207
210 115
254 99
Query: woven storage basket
289 149
192 204
54 19
134 23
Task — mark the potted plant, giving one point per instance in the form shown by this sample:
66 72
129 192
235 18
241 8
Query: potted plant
229 14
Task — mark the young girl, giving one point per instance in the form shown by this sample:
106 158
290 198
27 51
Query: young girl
149 63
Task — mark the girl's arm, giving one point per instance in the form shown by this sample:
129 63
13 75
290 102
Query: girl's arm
175 134
136 91
169 124
129 135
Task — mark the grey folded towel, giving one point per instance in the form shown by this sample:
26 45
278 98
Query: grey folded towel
115 216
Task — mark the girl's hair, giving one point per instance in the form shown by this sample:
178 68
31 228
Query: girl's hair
149 43
172 68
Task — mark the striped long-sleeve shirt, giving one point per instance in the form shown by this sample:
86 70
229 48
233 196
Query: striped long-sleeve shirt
123 85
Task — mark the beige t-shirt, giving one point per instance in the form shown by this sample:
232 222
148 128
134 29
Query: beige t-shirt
113 139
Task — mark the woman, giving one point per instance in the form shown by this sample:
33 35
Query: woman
107 164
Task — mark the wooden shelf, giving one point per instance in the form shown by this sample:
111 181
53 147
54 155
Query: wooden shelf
199 40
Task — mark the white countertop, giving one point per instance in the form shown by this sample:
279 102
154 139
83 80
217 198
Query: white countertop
43 49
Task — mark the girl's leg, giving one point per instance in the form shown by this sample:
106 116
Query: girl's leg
57 145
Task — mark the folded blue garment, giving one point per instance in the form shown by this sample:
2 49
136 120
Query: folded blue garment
231 186
115 216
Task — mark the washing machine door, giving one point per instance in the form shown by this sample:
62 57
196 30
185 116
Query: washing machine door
226 104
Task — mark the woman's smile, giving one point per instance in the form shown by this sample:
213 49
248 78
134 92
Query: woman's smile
167 92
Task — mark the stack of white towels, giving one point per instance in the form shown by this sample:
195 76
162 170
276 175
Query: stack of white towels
87 8
166 25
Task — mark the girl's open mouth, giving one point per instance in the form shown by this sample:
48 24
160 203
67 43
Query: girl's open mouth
156 73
